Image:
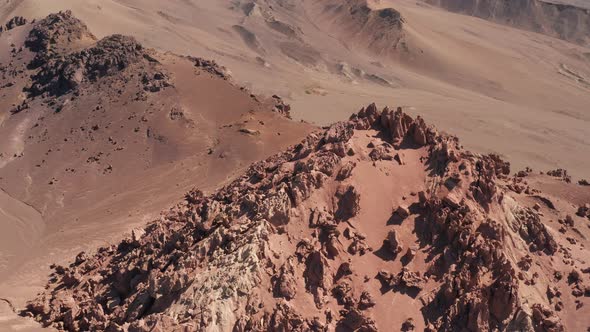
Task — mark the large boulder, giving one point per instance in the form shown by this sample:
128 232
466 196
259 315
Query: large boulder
348 202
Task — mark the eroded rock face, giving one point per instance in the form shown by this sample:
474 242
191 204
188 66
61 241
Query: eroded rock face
533 231
340 132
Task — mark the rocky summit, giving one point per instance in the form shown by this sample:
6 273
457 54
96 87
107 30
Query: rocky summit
377 223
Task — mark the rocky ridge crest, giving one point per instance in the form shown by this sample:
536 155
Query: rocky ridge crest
212 262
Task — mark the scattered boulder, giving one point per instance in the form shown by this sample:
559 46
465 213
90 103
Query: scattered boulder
405 279
366 301
382 152
561 174
545 319
346 171
281 107
155 82
408 325
355 320
250 131
584 211
285 282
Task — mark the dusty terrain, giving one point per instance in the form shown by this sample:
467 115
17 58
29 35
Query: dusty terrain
105 135
489 83
101 133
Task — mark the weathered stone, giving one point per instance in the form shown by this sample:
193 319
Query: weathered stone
348 202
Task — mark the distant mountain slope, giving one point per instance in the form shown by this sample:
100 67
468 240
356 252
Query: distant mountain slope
577 3
564 21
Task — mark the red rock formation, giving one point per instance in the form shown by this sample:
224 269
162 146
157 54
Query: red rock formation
282 248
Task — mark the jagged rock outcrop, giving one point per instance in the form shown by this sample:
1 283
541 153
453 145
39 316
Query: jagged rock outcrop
211 67
14 22
584 211
110 55
54 34
67 55
290 232
402 128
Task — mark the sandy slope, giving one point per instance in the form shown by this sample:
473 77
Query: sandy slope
490 84
22 226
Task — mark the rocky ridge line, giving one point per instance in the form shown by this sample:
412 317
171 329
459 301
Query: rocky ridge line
205 264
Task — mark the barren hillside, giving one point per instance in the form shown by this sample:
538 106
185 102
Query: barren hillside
101 135
489 83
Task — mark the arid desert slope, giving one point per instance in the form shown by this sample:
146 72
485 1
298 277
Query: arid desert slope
490 83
